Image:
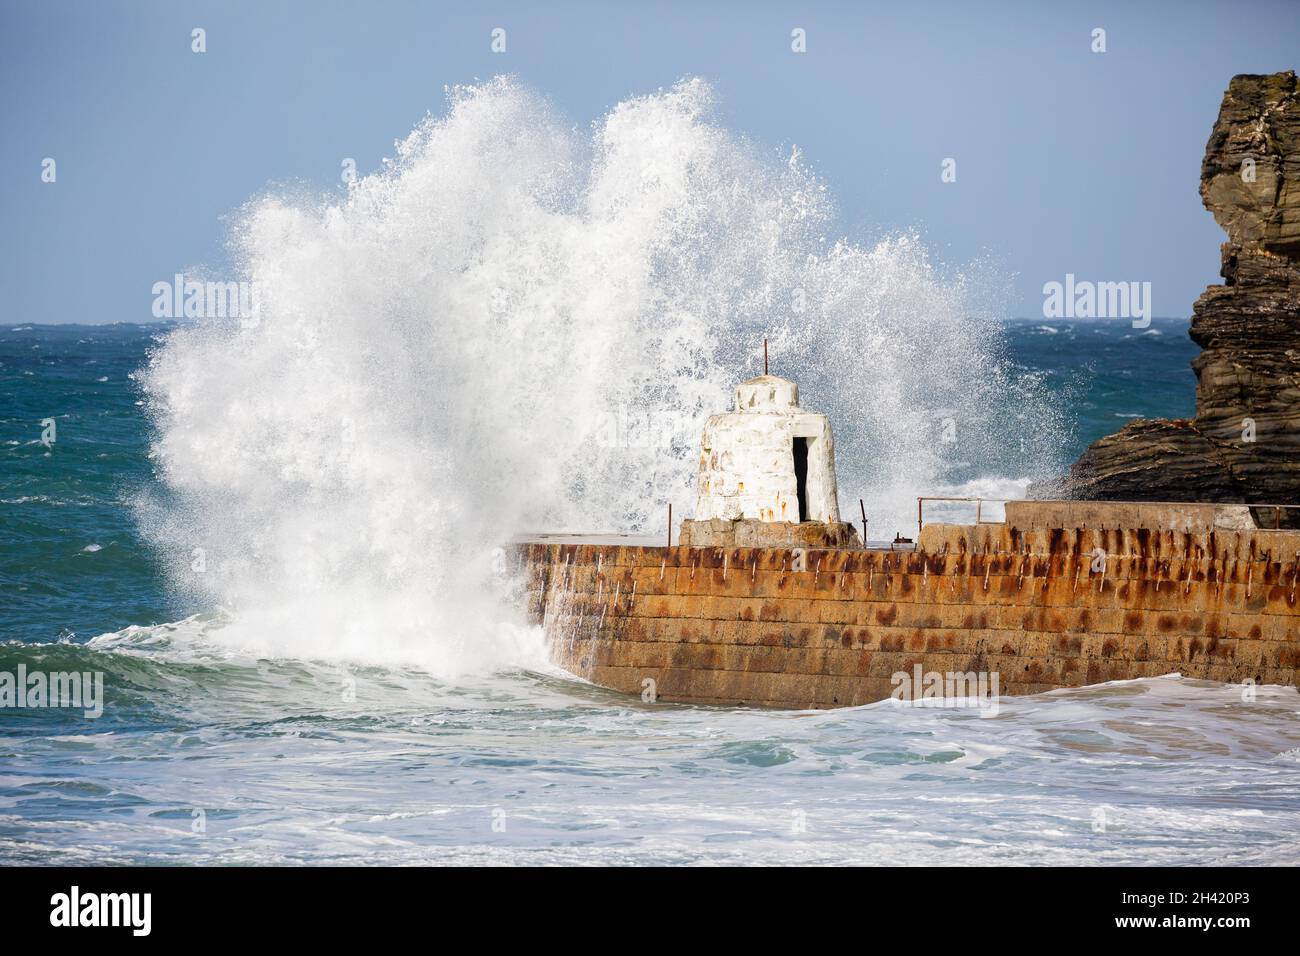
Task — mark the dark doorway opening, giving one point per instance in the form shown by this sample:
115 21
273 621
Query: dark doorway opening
801 475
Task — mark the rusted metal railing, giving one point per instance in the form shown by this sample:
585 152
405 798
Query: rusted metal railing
1277 512
1254 507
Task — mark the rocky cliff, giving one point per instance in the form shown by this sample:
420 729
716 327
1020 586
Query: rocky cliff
1243 445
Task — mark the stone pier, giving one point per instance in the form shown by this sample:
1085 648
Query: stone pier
1130 591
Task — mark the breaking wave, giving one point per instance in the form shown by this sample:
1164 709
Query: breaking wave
515 325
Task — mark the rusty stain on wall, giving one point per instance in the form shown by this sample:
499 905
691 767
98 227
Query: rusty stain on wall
1025 603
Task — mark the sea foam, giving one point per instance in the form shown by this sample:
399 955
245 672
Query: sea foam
464 345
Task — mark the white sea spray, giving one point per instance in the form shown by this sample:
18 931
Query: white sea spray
436 354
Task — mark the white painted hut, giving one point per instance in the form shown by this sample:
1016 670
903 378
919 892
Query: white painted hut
767 473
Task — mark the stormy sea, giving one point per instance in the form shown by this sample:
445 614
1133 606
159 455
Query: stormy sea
273 540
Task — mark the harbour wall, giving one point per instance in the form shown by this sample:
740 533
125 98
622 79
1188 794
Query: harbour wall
1039 606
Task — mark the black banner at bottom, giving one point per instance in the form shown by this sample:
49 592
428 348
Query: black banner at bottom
332 905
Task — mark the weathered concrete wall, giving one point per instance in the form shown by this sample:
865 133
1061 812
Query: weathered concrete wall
1170 515
786 628
745 533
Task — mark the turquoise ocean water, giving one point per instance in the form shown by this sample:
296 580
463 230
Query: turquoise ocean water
214 752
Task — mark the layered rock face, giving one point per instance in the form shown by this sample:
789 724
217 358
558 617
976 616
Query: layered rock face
1243 445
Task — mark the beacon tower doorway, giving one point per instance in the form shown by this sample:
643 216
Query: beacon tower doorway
801 475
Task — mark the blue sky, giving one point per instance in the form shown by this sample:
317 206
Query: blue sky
1067 160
